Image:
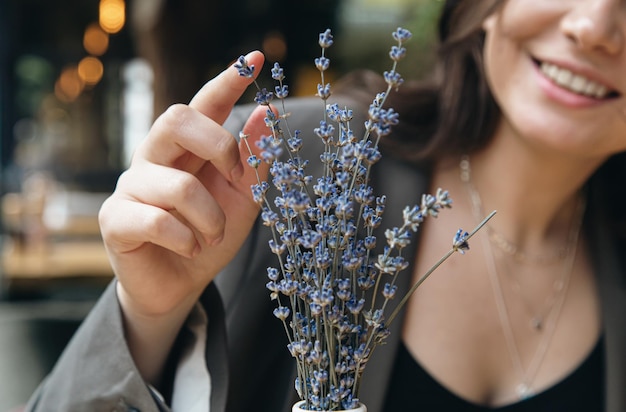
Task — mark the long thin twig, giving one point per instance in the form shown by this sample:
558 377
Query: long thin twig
432 269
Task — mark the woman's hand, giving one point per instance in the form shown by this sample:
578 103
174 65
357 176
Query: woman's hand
182 210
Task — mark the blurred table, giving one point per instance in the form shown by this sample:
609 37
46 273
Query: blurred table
57 259
53 238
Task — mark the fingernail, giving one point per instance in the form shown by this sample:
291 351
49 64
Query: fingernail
237 172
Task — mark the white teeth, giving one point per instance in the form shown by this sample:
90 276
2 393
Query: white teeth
563 77
578 84
574 82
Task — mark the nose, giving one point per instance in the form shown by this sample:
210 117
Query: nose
596 25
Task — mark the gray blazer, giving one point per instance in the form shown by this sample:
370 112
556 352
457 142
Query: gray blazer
246 349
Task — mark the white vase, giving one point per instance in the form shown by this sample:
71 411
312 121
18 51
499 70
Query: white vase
298 408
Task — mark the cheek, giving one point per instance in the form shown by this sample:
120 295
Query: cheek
522 19
508 33
496 59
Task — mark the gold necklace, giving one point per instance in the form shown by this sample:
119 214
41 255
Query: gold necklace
537 318
520 256
527 374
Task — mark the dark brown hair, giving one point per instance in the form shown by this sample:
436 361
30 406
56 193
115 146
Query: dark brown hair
452 111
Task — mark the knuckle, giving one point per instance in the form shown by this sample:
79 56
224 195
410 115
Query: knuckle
225 143
186 186
175 117
215 225
156 223
124 179
169 230
104 217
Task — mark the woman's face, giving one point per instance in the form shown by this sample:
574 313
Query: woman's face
557 69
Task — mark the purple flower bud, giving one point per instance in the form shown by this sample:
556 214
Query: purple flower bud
393 79
272 273
401 34
264 97
325 39
325 131
355 306
282 312
253 161
459 243
322 63
389 291
277 73
243 68
397 53
323 91
281 91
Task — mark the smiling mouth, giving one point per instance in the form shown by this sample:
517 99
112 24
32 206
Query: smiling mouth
576 83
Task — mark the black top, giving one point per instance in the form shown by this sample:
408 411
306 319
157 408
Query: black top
582 390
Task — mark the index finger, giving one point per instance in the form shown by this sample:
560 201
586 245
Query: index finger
218 96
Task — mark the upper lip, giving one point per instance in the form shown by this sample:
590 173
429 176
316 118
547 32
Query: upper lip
581 70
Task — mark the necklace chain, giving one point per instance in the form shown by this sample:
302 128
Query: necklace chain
513 249
520 256
527 374
537 318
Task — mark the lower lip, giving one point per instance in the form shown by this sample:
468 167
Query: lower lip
563 96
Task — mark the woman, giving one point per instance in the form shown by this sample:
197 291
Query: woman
525 115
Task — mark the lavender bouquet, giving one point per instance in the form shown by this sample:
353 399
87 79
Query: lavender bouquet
332 290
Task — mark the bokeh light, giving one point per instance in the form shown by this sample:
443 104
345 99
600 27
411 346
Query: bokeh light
69 84
95 40
275 47
90 70
112 15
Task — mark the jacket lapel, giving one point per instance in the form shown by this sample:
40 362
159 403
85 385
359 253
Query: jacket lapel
612 288
403 187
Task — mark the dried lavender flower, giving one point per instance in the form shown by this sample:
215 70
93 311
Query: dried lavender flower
331 289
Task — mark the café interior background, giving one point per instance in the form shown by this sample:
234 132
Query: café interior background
80 84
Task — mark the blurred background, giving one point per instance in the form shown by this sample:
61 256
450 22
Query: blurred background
80 83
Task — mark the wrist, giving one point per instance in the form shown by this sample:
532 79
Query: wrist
150 335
